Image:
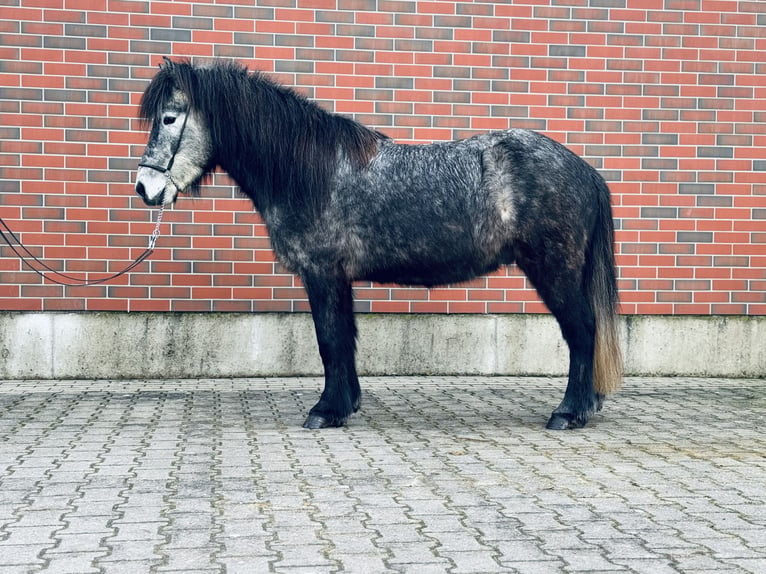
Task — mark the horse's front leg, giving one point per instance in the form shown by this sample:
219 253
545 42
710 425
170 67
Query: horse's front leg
331 302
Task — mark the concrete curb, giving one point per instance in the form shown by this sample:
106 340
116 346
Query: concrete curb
66 345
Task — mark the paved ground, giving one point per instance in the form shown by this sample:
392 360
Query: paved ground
435 475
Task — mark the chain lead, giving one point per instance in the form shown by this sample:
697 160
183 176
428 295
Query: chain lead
156 233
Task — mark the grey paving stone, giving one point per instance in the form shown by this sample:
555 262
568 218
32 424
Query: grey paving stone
26 554
409 553
129 566
470 562
246 564
301 556
535 567
75 543
360 563
131 550
73 563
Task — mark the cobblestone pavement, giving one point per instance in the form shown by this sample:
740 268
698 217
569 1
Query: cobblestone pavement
452 474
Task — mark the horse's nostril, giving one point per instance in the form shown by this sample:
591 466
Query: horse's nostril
140 190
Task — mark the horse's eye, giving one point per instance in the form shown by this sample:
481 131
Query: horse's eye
167 120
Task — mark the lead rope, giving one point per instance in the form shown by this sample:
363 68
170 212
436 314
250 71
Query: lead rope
23 253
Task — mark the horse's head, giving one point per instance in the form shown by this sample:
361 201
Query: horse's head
178 153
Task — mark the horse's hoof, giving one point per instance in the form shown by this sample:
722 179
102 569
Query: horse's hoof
560 421
320 422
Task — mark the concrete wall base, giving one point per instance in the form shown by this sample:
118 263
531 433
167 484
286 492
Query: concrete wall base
62 345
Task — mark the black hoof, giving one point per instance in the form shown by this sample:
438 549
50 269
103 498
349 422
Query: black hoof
320 422
564 421
559 421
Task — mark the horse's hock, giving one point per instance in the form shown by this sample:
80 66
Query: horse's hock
63 345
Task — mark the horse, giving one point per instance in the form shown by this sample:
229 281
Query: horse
343 203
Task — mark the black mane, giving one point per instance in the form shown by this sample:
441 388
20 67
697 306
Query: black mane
278 146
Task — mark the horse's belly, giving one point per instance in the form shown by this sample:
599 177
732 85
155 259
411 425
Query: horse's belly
437 263
421 277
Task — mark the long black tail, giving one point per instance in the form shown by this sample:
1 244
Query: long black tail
602 291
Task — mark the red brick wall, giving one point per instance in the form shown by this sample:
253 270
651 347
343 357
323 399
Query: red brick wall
666 97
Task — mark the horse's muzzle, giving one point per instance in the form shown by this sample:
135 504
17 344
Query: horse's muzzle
154 201
152 185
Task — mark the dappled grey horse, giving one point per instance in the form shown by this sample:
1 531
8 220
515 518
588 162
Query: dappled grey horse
343 202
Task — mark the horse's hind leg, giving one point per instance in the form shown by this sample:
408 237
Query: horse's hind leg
560 285
331 300
580 399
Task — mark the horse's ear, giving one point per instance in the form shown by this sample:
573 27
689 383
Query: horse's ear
166 62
